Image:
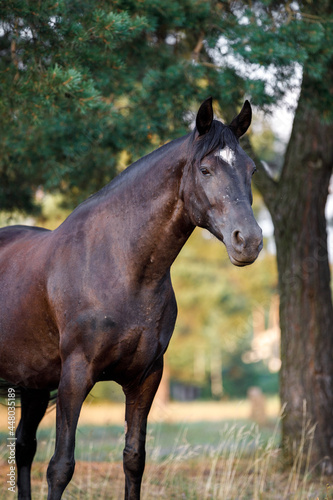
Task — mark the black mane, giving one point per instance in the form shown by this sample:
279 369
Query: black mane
218 136
144 161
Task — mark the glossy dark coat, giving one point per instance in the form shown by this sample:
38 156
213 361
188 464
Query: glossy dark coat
93 300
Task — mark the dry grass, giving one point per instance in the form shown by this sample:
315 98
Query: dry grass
243 464
239 467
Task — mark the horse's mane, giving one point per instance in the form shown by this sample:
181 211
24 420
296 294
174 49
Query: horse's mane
144 161
218 136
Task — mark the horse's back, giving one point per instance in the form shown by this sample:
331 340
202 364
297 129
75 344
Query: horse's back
16 241
9 234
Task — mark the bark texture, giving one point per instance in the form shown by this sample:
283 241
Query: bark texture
297 206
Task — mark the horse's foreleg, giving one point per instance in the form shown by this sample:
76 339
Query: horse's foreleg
75 383
33 407
139 399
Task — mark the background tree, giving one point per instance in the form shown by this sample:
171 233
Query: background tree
297 205
296 200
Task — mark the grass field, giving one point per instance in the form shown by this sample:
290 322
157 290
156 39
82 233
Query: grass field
195 451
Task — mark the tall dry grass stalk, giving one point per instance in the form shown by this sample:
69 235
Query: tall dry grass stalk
242 465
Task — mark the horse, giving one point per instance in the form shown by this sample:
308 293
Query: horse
93 300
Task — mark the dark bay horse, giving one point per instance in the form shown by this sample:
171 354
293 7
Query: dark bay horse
93 300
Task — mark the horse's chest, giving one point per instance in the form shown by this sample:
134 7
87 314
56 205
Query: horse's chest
139 337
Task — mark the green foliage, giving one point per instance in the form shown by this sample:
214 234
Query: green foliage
238 376
82 82
280 35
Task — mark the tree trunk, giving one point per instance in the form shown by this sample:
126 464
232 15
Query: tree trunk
297 206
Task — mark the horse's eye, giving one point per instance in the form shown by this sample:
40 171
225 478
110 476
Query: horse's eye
204 171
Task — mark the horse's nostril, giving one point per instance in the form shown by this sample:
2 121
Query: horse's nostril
238 240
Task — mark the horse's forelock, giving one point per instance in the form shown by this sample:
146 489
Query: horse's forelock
218 136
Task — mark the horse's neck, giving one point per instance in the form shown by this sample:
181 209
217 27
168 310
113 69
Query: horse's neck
153 216
141 213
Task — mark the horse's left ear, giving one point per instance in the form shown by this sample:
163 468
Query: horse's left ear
241 123
205 116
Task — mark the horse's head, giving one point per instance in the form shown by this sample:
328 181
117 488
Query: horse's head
217 188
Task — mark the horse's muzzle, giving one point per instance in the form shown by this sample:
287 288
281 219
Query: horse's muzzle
245 248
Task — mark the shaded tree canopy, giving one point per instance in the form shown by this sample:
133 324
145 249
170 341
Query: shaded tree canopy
84 82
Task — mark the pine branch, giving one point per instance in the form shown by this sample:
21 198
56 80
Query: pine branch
197 49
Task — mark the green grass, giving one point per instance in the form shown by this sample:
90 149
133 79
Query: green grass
98 443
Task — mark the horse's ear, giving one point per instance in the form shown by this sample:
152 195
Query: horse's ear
241 123
205 116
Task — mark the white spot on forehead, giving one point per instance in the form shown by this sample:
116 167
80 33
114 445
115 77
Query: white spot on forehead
227 154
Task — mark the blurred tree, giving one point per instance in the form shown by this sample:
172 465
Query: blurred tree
296 198
215 302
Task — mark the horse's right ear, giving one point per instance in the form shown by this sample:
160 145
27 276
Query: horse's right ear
241 123
205 116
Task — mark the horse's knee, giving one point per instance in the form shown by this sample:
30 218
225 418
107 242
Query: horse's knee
134 461
59 473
